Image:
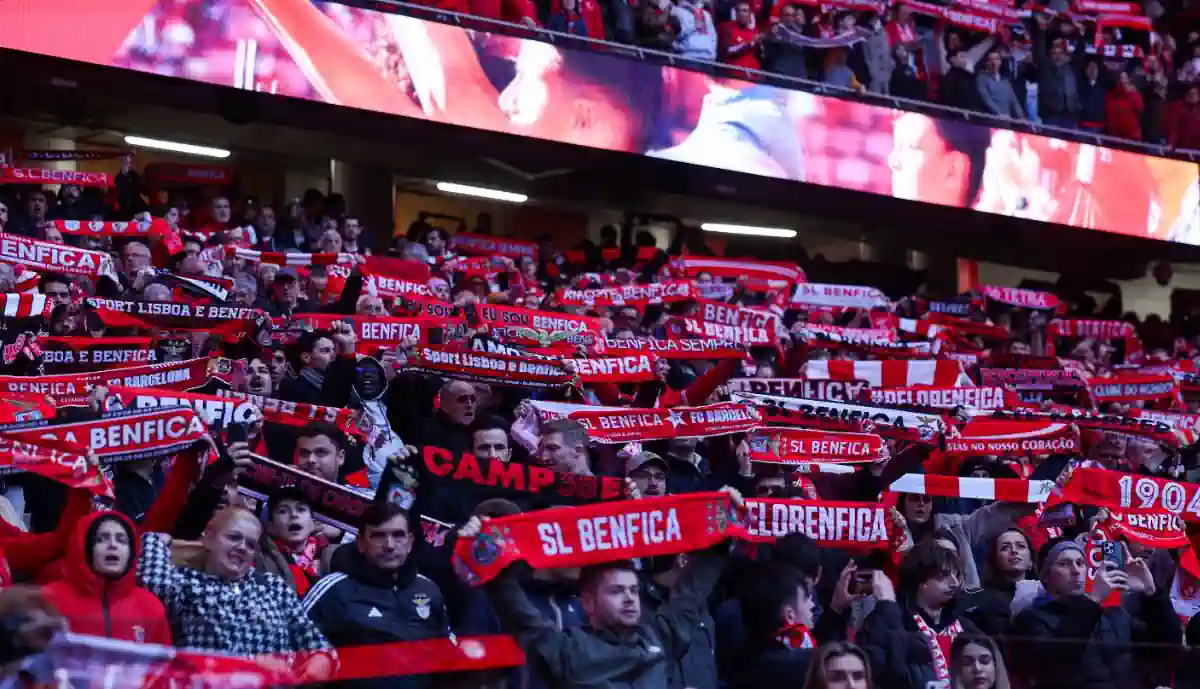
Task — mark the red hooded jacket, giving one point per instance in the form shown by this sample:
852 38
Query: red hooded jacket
92 604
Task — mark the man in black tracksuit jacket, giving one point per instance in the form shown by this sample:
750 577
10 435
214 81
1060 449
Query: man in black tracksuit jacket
375 595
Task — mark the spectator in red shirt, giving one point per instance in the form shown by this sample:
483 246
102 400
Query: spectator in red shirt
1183 121
739 39
1123 109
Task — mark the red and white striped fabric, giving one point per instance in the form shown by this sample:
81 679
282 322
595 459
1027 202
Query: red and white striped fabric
288 259
27 281
923 328
1004 489
892 373
778 275
25 305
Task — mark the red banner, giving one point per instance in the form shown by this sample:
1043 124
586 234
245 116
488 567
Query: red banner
829 524
70 390
638 368
1026 298
40 176
1006 438
483 245
54 258
56 462
682 348
67 354
625 425
498 369
1115 489
941 397
121 436
629 295
103 228
797 445
536 328
601 532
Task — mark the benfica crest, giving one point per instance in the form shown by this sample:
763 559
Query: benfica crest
544 338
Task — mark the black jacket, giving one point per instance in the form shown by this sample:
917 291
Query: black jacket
958 90
335 390
358 604
1075 642
588 658
900 656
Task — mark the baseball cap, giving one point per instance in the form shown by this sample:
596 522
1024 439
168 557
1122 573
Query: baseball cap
638 461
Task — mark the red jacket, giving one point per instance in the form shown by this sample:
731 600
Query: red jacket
1123 113
28 553
1183 125
737 45
92 604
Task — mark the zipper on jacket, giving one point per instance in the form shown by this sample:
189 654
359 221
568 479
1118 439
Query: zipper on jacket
108 632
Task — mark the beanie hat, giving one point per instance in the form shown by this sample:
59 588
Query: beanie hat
1054 553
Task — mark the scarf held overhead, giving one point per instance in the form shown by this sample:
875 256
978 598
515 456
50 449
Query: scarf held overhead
55 258
627 425
121 436
797 445
73 389
601 532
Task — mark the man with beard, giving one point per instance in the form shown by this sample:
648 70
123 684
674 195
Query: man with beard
649 473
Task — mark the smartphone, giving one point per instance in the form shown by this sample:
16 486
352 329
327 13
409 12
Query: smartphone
861 584
1113 554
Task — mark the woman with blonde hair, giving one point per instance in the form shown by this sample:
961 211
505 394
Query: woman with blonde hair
839 665
976 663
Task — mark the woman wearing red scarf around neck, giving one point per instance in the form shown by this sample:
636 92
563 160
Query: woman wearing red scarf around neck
99 594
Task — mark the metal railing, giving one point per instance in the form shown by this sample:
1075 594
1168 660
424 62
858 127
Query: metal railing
784 81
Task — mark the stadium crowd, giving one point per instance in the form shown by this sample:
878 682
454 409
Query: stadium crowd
468 461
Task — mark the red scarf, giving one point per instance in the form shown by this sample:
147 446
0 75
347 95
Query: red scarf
496 369
939 645
154 315
120 436
629 295
1134 387
626 425
691 348
40 176
988 398
290 258
532 327
1009 438
599 532
55 258
67 354
798 445
103 228
73 389
301 414
509 478
795 636
1025 298
483 245
637 368
1124 491
831 524
304 561
56 461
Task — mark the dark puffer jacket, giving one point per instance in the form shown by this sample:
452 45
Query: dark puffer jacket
900 656
1074 642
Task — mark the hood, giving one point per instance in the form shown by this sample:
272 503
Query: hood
79 573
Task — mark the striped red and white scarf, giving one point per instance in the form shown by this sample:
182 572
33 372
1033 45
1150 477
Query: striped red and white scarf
891 373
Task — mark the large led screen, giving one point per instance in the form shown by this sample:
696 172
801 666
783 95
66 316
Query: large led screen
415 68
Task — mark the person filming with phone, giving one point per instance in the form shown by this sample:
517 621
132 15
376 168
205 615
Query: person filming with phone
1116 638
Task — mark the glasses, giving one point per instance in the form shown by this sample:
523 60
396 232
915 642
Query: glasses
464 399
